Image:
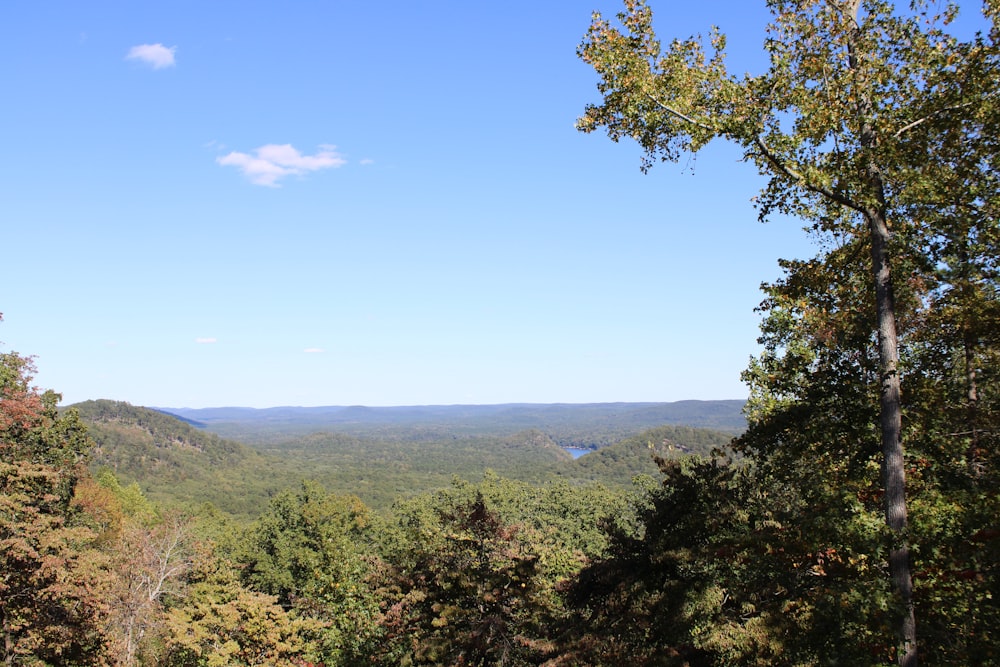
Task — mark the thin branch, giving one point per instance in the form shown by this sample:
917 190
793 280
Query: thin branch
829 99
678 114
780 166
975 432
928 117
794 175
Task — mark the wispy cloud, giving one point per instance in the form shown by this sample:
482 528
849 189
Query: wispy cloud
156 56
367 161
313 350
273 162
206 341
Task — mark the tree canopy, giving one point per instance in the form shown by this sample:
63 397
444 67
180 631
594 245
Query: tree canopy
858 95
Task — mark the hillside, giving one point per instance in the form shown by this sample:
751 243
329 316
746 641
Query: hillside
380 459
380 470
620 462
175 462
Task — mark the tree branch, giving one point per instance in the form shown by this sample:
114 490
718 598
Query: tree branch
791 173
678 114
852 6
934 114
779 165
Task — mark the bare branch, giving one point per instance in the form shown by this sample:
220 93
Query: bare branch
778 164
678 114
939 112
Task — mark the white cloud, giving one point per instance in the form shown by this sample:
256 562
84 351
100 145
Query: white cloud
206 340
155 55
367 161
313 350
275 161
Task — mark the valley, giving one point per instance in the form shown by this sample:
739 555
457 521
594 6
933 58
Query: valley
236 459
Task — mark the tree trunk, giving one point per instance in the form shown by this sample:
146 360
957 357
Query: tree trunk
974 454
969 344
890 394
891 423
8 641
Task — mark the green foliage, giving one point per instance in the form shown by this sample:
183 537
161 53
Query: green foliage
563 521
814 424
313 551
381 470
177 464
723 569
877 128
180 466
622 461
131 500
467 591
220 622
661 588
474 571
48 610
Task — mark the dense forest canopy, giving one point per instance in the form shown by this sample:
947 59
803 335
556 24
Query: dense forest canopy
174 461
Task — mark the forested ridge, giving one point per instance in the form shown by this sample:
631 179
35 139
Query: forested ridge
180 464
589 426
172 460
855 520
456 571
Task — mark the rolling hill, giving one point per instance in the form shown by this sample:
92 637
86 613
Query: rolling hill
383 454
587 425
176 463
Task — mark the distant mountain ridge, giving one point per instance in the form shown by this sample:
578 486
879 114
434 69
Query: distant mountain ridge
569 424
382 454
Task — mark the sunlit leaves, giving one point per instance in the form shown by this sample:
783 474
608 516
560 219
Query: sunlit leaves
49 570
877 128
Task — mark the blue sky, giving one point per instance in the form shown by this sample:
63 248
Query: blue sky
333 203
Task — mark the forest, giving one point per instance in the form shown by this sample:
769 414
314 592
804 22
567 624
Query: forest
855 520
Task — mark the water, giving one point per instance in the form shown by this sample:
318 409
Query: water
576 452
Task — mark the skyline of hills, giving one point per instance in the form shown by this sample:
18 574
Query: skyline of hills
587 425
383 454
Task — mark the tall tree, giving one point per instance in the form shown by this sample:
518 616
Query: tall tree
854 95
312 550
464 587
150 564
48 576
220 622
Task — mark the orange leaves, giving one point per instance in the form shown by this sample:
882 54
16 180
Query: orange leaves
19 412
20 404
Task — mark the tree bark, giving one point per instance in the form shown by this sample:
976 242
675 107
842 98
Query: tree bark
974 454
891 424
890 394
8 641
